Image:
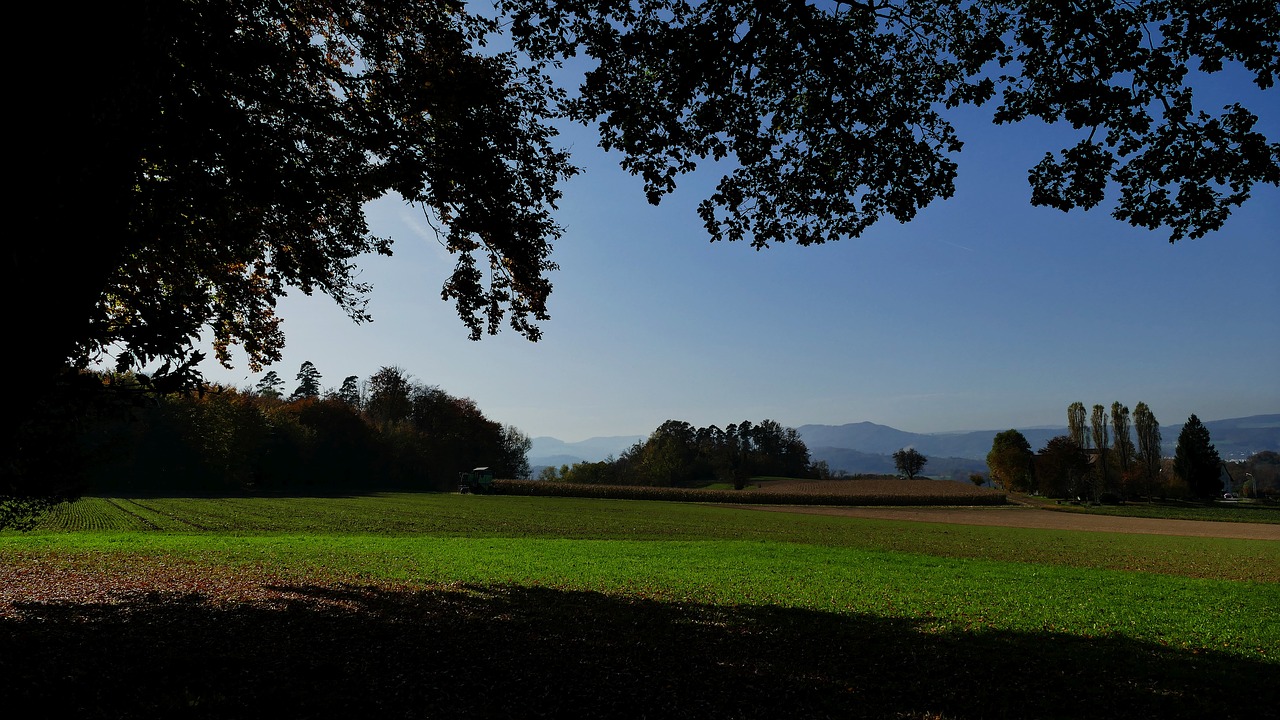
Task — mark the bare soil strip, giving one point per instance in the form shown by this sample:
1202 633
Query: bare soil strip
1030 517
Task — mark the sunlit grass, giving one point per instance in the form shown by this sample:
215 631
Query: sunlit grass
1192 593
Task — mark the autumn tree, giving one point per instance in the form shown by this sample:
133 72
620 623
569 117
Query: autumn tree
1262 471
1196 461
1010 461
909 462
1150 450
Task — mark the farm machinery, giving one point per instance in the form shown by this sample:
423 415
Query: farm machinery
478 481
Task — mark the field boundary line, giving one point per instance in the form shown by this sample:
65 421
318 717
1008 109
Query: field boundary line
1037 519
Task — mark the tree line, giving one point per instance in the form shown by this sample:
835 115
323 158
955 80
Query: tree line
678 454
1098 459
388 431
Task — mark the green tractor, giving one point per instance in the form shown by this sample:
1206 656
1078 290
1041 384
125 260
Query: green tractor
478 481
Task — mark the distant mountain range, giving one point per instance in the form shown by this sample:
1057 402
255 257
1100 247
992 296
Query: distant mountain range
551 451
1234 438
866 447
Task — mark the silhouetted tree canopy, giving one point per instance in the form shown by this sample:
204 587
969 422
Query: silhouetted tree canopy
1060 467
677 453
1196 460
308 382
226 147
835 114
191 161
909 461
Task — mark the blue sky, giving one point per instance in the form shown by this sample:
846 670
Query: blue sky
982 313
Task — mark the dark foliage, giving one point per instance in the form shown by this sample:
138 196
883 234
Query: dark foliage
1060 468
308 382
909 462
837 492
836 115
677 454
1196 461
226 441
1011 461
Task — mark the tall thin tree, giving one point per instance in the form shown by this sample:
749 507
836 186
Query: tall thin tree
1101 441
1076 418
1149 448
1120 430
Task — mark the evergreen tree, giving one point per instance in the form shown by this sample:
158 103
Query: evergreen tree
308 382
270 385
349 393
1196 461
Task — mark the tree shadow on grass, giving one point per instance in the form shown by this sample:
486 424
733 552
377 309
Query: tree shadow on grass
318 652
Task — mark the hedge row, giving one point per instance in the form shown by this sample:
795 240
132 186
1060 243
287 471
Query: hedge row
849 496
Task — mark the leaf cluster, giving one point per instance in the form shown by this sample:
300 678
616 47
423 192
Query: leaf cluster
241 141
827 118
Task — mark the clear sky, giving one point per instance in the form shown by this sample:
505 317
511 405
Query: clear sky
982 313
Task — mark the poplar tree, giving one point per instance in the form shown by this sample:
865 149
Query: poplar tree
1101 441
1076 419
1149 444
1120 427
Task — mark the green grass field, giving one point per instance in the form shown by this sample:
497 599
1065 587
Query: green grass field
642 608
1251 512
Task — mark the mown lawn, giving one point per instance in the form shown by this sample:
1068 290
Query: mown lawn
457 606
